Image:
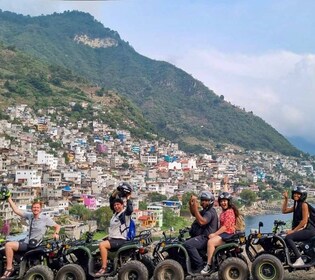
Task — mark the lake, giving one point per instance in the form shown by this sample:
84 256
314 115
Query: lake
268 219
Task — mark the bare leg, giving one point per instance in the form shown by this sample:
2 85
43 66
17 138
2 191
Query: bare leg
10 248
211 245
104 246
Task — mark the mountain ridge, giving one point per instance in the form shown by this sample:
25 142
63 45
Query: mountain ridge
180 107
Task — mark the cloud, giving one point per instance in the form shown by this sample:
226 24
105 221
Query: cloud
279 87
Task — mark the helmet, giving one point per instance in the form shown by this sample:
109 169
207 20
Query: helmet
225 195
205 195
4 193
300 190
124 189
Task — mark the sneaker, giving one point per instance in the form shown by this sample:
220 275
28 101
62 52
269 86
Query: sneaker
206 269
298 262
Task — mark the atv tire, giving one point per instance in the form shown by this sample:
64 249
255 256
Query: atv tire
168 270
39 272
267 267
147 261
233 269
71 271
133 270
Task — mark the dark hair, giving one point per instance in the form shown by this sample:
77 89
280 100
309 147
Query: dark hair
118 200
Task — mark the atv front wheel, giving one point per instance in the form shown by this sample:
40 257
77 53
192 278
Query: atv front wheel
168 270
135 270
71 272
147 261
233 269
39 272
267 267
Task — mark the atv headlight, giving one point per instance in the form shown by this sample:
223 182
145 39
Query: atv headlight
242 239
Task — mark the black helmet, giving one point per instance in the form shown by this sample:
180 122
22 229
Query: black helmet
205 195
225 195
300 190
124 189
4 193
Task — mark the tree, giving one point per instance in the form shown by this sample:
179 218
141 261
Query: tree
270 195
102 217
171 220
248 197
185 199
156 197
174 198
287 184
81 211
143 205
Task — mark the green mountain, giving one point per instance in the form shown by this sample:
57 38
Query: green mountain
178 106
27 80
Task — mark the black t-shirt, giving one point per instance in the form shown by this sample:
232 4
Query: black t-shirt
212 226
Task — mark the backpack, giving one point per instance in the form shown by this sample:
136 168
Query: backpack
131 230
240 223
311 211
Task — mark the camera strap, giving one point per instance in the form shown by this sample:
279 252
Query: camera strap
31 224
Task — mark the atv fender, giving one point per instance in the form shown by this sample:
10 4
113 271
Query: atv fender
181 248
83 256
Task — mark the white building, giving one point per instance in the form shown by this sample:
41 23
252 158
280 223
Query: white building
4 143
157 212
29 177
47 159
150 160
174 165
72 176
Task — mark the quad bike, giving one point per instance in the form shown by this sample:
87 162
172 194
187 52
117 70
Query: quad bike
173 262
32 264
270 255
129 261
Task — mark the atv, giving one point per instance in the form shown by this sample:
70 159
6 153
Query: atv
270 255
32 264
173 262
130 261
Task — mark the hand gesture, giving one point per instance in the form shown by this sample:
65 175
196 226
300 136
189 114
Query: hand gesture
285 194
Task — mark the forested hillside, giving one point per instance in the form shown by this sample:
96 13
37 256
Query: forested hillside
178 106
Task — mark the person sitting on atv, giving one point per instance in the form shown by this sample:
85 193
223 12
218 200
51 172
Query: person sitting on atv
227 228
301 228
37 230
205 223
118 224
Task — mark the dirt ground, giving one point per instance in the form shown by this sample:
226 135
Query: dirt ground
298 275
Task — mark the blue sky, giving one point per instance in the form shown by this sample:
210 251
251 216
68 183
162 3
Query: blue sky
259 54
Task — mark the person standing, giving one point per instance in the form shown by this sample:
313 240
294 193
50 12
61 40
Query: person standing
227 228
38 225
118 226
301 228
206 222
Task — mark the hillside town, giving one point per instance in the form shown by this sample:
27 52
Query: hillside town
64 164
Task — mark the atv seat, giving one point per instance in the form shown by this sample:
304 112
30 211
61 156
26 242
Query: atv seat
238 237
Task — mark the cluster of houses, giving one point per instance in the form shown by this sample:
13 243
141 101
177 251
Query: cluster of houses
47 156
